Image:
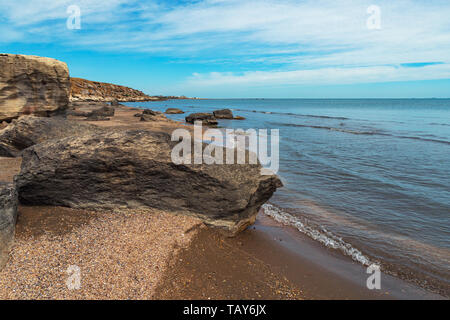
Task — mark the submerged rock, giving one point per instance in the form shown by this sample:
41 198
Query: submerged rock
223 114
174 111
29 130
207 119
32 85
8 217
134 169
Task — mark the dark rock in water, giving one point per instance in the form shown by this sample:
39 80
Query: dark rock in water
29 130
174 111
134 169
238 118
115 103
151 112
207 119
8 217
223 114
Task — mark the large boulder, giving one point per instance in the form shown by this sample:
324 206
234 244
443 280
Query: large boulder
207 119
8 217
32 85
134 169
29 130
223 114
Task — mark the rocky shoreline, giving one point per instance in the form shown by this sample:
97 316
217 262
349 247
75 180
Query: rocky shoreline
96 169
86 90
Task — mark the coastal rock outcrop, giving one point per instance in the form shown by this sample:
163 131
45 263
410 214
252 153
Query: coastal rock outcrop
174 111
32 85
86 90
207 119
29 130
223 114
8 217
134 169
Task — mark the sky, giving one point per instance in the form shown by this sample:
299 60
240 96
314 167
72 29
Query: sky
242 48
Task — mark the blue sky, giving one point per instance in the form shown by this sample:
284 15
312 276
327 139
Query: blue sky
244 48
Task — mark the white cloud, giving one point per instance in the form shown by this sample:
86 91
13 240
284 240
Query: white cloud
336 75
297 41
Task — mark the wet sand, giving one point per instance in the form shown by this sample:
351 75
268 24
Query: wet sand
270 261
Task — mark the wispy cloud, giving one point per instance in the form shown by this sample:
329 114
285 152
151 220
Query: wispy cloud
262 41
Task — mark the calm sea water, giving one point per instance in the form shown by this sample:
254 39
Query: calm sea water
368 177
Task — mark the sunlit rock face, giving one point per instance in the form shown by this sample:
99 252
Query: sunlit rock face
32 85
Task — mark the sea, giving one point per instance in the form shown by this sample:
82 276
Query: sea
369 178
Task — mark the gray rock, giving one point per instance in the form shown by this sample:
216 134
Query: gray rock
29 130
151 112
150 117
32 85
207 119
223 114
134 169
105 111
8 217
174 111
95 117
78 113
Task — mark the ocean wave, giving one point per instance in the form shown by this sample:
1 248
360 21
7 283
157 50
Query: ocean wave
294 114
328 128
323 236
439 124
362 132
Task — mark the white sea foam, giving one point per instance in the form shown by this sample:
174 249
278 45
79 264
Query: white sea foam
325 237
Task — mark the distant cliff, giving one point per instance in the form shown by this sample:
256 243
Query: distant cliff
82 89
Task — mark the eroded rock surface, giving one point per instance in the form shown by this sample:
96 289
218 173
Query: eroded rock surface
29 130
8 217
223 114
134 169
32 85
207 119
174 111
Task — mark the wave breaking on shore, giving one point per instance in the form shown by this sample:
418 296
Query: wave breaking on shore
323 236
